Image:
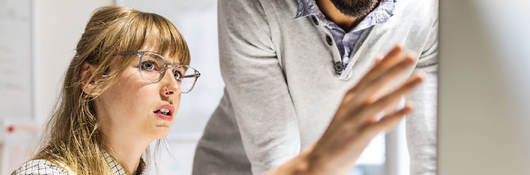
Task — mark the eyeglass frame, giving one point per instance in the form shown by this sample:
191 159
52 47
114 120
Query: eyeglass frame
196 74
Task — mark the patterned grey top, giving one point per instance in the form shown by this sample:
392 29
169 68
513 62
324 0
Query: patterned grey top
346 41
45 167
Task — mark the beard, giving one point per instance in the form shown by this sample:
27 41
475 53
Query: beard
355 8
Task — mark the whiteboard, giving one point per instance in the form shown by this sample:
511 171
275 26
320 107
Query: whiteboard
197 21
16 59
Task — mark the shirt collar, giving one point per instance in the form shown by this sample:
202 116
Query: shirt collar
117 169
379 15
306 8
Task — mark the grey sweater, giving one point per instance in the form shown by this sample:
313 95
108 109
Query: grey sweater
282 91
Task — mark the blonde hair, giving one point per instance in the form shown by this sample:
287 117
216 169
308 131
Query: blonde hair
73 137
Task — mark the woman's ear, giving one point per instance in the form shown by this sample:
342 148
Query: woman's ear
86 72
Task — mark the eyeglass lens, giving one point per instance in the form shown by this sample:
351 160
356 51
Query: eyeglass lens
152 68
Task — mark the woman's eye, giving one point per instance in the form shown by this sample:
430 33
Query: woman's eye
148 65
177 75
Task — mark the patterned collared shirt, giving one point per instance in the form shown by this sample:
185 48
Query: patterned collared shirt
45 167
346 41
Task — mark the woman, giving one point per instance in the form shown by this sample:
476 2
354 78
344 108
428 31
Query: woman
123 87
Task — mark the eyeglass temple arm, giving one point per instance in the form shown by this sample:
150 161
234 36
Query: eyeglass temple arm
194 75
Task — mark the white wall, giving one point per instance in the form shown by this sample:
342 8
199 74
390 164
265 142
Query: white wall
58 25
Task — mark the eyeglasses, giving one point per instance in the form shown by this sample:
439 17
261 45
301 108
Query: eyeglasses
152 68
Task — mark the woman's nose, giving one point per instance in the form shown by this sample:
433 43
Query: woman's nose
167 91
170 84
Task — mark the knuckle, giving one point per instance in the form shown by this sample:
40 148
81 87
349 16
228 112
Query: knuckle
367 102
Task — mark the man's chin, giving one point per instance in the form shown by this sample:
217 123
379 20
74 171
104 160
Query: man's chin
355 8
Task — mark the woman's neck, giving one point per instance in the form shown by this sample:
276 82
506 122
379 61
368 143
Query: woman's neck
126 148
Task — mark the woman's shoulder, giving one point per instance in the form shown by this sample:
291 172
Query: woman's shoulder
42 167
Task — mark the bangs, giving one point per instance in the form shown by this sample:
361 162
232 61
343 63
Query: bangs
158 32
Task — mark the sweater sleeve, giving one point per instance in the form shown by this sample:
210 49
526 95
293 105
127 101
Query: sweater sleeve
256 85
421 125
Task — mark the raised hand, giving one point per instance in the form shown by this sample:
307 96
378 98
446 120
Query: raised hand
355 123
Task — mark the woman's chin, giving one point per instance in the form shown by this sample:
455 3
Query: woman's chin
162 136
161 132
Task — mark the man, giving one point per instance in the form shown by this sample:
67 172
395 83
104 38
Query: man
286 65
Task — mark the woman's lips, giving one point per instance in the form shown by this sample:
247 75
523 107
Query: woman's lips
165 116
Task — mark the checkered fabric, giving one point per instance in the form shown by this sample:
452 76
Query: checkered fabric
45 167
41 166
